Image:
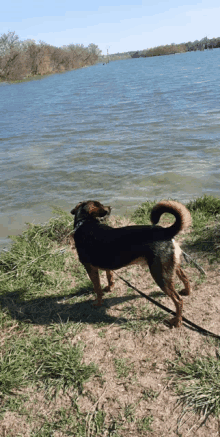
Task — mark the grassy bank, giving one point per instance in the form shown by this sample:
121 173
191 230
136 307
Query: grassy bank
67 368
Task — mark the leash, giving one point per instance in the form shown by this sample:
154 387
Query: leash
198 328
189 259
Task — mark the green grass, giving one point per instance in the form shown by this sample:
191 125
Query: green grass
35 261
150 394
45 363
33 273
205 236
129 412
37 271
123 367
47 359
141 215
143 425
205 207
198 385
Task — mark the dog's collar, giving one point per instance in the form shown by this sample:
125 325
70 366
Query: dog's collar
80 222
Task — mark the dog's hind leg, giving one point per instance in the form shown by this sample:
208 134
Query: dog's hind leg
182 276
93 273
164 277
111 282
178 302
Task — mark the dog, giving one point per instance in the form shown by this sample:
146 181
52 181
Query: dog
100 246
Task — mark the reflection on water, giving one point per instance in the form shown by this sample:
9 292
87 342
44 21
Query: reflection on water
121 133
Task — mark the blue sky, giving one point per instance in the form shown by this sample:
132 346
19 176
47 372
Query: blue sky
119 25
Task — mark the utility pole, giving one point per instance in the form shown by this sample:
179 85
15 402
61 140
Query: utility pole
107 56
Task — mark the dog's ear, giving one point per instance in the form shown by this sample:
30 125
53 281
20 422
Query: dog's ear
73 211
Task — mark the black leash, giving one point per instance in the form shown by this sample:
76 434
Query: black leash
198 328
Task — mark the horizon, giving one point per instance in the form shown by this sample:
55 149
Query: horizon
134 25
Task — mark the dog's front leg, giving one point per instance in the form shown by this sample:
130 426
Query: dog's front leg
94 276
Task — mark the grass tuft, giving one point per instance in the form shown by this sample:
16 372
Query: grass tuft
43 359
123 367
144 425
36 263
198 385
141 215
209 205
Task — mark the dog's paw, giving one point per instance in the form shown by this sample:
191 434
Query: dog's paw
184 292
175 322
97 303
108 288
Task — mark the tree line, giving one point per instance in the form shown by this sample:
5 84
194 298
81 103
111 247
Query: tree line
171 49
23 59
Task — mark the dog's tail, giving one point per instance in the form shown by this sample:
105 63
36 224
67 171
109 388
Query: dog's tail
180 212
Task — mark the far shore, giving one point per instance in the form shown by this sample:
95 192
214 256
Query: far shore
169 49
25 61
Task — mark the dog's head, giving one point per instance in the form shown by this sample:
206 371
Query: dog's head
90 210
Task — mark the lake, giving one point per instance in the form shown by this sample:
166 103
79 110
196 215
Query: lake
121 133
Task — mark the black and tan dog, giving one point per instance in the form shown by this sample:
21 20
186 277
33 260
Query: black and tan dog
102 247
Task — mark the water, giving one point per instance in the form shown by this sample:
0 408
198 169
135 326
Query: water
120 133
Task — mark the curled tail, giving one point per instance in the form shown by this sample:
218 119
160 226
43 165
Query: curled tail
180 212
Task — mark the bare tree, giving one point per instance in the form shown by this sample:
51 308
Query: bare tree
9 41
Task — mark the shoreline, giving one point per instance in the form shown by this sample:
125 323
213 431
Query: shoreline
42 76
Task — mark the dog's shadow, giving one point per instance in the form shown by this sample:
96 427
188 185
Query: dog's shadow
61 308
